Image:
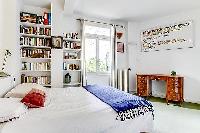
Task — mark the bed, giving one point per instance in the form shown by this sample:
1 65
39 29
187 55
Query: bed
75 110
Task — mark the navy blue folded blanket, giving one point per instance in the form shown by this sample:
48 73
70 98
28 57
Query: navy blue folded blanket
126 105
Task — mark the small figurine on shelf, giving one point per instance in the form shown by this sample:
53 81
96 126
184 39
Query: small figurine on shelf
67 78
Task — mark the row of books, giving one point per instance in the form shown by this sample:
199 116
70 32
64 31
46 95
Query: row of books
67 66
33 41
36 66
35 30
34 18
36 53
71 56
72 35
44 80
71 45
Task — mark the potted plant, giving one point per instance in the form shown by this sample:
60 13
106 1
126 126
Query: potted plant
173 73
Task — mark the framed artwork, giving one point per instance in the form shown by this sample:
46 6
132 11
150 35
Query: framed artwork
28 17
57 42
120 47
167 37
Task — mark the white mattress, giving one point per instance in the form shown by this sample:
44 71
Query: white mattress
74 110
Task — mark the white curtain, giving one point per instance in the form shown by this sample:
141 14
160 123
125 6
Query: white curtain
83 76
114 57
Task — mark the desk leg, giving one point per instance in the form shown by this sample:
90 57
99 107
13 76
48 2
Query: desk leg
181 103
167 101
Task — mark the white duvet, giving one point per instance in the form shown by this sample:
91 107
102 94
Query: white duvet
74 110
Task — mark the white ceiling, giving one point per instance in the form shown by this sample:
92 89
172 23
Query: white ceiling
128 9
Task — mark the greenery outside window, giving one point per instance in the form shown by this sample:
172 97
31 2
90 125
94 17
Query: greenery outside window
98 50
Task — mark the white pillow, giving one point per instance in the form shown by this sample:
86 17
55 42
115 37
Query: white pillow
21 90
11 108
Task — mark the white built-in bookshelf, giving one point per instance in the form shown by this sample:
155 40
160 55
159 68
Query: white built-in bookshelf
40 62
72 62
35 43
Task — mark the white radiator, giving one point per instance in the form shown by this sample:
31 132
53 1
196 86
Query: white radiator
123 79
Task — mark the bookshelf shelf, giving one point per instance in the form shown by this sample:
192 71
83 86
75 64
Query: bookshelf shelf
71 40
26 71
33 35
72 70
72 50
67 60
72 84
36 36
27 58
40 47
35 25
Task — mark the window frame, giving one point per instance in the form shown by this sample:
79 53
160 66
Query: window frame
98 38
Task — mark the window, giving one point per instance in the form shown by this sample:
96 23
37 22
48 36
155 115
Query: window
94 30
97 49
90 57
104 56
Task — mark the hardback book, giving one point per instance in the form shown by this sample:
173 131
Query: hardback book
46 21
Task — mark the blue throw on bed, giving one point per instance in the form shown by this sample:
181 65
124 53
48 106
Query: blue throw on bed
126 105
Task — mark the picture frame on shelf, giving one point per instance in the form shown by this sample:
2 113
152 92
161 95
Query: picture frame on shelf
28 17
120 47
57 42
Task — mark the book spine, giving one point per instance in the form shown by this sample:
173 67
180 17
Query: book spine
49 18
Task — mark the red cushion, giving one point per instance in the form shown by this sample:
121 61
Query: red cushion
34 99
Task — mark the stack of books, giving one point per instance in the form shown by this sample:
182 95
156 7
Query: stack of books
67 66
44 80
36 53
41 66
34 18
35 30
32 41
71 45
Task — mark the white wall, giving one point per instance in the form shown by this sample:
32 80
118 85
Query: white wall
1 32
62 23
57 68
98 79
9 21
133 34
185 61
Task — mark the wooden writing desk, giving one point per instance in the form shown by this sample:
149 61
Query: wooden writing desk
174 86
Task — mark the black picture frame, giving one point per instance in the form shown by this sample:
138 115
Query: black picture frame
57 42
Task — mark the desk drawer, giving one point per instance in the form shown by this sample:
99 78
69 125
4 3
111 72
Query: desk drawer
174 97
157 77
